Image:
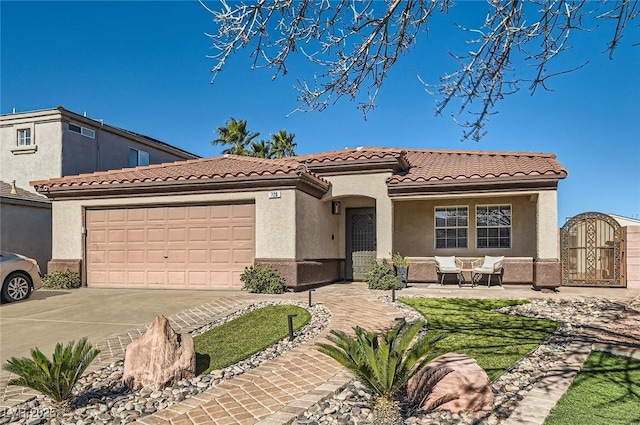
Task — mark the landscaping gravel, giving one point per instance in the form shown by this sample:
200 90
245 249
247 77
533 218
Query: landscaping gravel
103 399
350 406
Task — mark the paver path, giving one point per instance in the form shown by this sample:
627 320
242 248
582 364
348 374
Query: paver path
279 390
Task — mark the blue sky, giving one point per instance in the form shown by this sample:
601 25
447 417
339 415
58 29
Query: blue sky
143 66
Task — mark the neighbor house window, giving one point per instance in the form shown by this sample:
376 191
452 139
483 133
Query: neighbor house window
452 225
87 132
493 226
24 137
138 157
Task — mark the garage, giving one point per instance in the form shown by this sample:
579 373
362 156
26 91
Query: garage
170 247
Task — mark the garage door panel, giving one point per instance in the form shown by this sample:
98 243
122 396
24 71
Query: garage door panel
116 216
156 257
170 247
156 235
115 236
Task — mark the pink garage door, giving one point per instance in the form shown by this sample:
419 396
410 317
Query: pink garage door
189 247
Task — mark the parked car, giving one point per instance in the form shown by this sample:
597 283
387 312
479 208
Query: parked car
19 275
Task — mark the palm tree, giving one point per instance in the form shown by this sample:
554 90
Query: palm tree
236 136
383 363
54 378
282 144
261 149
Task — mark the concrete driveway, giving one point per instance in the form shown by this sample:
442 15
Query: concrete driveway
52 316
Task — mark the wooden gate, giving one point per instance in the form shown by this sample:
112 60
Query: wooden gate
592 251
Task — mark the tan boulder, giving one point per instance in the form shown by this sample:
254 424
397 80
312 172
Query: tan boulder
159 358
452 382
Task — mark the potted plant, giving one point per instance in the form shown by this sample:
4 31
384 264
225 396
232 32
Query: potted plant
401 264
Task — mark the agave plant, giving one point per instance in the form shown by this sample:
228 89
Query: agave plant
54 378
383 363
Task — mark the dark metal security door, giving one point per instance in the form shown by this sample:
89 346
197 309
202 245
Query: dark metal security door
361 241
592 251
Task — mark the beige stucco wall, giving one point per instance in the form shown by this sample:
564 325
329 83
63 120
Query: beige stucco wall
547 225
353 191
41 160
414 224
632 256
318 232
275 236
30 237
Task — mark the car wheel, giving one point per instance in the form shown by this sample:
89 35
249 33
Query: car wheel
16 287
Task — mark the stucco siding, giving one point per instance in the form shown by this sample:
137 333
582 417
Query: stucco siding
366 185
25 228
414 227
632 256
107 151
275 237
318 231
547 225
38 161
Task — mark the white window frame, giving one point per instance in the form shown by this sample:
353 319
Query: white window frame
436 227
138 156
84 131
498 226
20 140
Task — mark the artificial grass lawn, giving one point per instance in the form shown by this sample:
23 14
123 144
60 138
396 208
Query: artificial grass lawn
240 338
605 392
495 340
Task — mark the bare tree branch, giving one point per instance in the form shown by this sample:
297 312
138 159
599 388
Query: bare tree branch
355 43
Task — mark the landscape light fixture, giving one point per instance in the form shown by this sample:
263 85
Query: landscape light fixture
310 291
290 323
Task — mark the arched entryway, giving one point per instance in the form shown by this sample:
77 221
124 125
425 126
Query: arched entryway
592 251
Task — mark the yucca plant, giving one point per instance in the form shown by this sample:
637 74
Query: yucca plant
54 378
383 363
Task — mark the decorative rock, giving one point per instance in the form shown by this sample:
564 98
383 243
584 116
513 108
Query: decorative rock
159 358
461 385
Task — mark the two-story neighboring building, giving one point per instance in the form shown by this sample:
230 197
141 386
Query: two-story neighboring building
52 143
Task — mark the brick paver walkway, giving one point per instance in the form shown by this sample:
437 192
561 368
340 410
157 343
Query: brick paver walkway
279 390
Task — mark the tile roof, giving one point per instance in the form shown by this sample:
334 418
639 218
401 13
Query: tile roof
445 165
25 195
349 154
414 167
220 167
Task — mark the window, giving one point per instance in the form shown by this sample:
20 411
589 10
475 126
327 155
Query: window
137 158
451 227
493 224
87 132
24 137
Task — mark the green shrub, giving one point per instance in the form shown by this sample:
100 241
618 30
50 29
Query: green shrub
381 276
64 279
262 279
399 261
383 363
54 378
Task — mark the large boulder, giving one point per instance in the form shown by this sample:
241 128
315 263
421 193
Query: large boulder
159 358
452 382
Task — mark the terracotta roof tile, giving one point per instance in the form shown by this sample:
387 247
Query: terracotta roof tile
226 166
444 165
348 154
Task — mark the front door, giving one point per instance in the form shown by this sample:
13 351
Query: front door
361 242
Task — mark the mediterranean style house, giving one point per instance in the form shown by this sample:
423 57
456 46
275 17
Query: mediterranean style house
317 218
54 143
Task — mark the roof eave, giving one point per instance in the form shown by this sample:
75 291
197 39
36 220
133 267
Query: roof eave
480 185
303 182
359 166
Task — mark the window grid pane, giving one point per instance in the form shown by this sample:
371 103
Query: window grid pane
493 224
451 227
24 137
